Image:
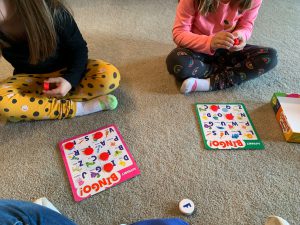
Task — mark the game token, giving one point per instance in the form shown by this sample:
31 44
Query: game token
229 116
108 167
214 108
46 86
236 41
186 206
69 145
88 151
49 86
98 135
104 156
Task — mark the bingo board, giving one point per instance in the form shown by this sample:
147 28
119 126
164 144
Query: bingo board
227 126
96 161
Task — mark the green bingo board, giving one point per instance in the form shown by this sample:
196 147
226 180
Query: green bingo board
227 126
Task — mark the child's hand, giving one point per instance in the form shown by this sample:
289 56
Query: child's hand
62 87
241 45
222 40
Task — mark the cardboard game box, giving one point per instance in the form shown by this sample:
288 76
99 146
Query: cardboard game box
287 111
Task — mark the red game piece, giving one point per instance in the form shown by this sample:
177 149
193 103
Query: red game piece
46 86
69 145
214 108
88 151
104 156
236 41
49 86
108 167
229 116
98 135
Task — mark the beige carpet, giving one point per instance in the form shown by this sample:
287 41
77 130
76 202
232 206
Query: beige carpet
160 128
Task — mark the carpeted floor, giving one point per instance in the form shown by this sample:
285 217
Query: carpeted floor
161 131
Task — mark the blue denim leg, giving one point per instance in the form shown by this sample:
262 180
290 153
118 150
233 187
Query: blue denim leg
14 212
173 221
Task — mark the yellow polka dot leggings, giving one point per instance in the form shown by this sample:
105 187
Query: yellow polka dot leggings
22 98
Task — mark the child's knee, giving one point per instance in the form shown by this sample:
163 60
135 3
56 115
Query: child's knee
274 56
114 77
176 63
270 59
106 76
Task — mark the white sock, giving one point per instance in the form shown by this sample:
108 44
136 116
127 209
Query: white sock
276 220
45 202
193 84
107 102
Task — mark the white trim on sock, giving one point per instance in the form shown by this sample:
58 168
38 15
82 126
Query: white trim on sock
193 84
88 107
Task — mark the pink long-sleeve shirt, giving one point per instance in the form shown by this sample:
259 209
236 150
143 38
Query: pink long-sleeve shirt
194 31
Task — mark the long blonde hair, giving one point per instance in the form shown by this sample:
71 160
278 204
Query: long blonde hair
40 18
210 6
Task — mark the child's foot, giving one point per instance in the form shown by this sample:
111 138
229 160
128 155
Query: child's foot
107 102
193 84
276 220
45 202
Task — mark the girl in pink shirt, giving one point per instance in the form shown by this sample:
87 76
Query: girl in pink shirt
212 52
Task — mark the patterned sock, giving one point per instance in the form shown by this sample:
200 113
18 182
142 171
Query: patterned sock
107 102
193 84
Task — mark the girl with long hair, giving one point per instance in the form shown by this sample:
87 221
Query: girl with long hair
42 42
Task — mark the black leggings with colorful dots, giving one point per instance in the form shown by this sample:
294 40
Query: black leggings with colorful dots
225 69
22 98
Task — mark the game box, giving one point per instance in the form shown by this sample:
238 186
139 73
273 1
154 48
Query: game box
287 111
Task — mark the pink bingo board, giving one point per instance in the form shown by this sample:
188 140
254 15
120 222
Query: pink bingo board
96 161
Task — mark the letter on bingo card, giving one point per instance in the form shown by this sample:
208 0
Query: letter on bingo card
229 143
240 143
87 189
95 186
215 143
113 162
114 177
102 182
223 144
